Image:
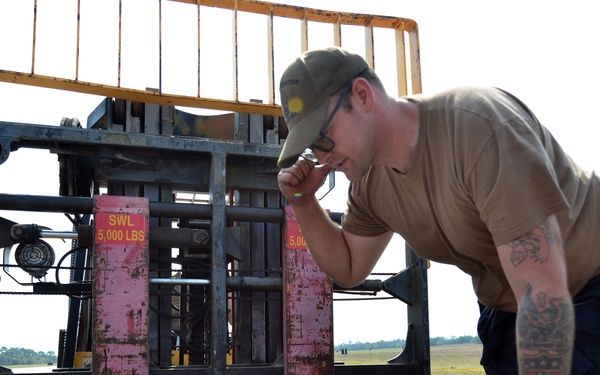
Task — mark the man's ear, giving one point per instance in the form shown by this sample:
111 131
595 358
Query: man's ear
363 90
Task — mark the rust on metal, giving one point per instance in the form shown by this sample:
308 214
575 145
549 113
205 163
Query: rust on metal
308 304
120 328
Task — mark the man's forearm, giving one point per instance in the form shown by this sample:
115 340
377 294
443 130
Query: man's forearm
545 333
324 239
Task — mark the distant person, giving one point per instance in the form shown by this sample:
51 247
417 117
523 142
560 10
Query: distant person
467 177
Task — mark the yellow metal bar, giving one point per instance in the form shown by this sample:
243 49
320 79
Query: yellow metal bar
34 37
120 36
78 39
337 32
369 41
235 52
160 46
297 12
137 95
401 61
271 57
415 59
270 10
304 33
199 53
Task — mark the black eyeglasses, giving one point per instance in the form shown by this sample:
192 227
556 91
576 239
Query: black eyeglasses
324 143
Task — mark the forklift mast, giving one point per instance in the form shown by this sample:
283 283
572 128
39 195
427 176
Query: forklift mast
184 257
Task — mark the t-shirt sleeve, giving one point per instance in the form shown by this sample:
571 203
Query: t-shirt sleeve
357 219
513 183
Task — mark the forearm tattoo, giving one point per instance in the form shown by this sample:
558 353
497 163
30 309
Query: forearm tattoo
534 245
545 334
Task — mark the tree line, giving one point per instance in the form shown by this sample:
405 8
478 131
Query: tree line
399 343
21 356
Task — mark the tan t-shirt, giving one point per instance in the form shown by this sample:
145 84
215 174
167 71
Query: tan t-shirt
485 173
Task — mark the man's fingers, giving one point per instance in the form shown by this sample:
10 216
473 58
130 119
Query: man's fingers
323 170
300 171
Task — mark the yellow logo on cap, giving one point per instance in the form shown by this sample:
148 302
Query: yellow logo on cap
295 104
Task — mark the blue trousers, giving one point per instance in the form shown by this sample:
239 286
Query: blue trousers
496 330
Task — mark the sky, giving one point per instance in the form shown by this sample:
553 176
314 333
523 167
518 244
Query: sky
544 52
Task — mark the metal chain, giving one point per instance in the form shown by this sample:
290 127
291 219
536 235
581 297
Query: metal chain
362 299
32 293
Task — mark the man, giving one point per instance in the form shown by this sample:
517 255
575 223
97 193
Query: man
467 177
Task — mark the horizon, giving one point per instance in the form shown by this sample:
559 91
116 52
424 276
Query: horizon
47 352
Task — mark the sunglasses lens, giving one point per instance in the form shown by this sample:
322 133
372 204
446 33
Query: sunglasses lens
309 155
323 143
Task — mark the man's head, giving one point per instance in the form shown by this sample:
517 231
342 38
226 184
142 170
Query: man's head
306 87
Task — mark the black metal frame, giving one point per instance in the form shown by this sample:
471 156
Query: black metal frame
158 162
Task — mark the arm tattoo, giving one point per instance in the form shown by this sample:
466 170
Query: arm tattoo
533 245
545 334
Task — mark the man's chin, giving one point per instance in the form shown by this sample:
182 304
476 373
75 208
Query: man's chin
352 177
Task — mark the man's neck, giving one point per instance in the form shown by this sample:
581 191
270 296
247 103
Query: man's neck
400 134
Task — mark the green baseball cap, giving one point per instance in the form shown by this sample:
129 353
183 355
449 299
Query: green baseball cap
305 87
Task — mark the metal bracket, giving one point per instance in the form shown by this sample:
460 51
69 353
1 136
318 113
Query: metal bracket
5 144
408 354
6 238
401 285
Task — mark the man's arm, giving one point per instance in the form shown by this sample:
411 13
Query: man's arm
346 258
535 267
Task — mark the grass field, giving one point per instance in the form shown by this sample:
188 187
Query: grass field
447 359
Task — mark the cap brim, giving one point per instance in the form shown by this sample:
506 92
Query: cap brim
302 135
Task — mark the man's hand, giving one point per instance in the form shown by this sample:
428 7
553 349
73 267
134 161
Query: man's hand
300 182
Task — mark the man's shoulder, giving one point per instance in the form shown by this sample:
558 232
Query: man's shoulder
473 104
459 96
